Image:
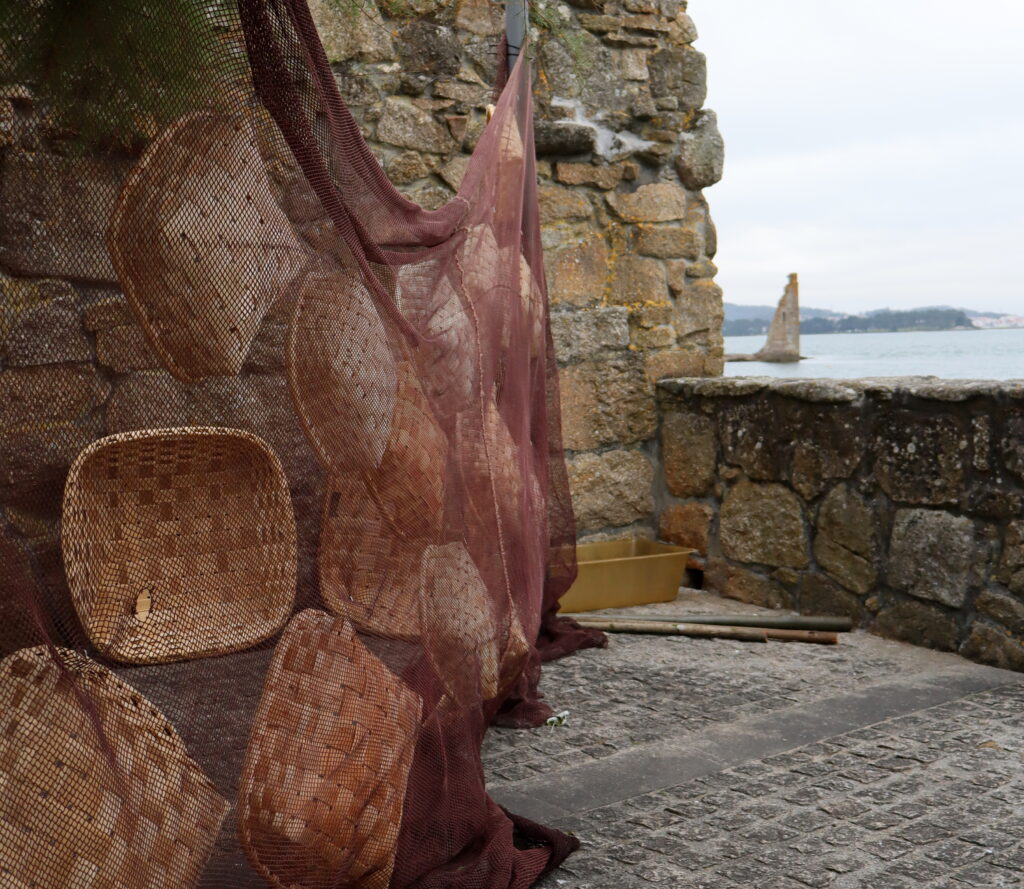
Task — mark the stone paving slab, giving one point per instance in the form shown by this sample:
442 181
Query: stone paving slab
698 763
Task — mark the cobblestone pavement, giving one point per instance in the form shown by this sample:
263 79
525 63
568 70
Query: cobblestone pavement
686 763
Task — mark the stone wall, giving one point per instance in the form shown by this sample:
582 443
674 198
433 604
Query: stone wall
624 150
896 502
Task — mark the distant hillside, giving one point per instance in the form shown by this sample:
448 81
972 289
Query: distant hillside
887 321
736 312
754 320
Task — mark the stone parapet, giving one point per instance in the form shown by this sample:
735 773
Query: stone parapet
896 501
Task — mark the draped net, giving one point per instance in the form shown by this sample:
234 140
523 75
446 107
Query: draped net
314 549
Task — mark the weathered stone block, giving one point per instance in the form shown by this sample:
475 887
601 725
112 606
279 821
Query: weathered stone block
352 33
932 555
1005 609
994 502
920 458
698 307
610 489
479 17
606 176
407 126
686 524
846 543
683 30
658 202
679 363
110 312
680 73
916 622
562 139
47 332
689 453
669 242
746 586
991 645
427 48
820 595
763 523
701 158
577 275
407 167
703 268
1011 566
1012 443
749 434
643 339
560 204
633 64
47 415
638 279
124 348
828 444
606 402
56 213
593 334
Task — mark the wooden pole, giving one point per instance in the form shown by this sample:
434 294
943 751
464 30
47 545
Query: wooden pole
669 628
708 631
774 621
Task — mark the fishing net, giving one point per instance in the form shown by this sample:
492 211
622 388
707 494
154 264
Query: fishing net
285 515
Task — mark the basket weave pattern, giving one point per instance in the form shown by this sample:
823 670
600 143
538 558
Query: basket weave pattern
219 250
197 520
368 574
67 820
341 371
460 630
325 774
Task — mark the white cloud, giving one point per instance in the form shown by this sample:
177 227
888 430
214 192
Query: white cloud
876 148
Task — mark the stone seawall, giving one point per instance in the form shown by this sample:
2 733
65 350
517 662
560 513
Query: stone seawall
897 502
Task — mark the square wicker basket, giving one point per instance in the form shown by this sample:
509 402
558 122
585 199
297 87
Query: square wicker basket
179 543
68 817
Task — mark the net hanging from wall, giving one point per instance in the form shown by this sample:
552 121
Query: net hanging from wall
285 515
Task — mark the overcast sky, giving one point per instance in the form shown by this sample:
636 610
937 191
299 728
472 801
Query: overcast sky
876 147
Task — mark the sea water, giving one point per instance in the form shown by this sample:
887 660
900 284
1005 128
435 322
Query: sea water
953 354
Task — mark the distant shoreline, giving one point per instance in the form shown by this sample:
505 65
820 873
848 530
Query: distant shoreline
886 330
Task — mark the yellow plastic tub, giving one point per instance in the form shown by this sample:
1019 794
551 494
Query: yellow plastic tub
621 573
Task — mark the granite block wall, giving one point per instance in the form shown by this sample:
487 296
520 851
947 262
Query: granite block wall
896 502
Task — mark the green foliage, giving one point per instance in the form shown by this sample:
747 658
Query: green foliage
889 321
113 71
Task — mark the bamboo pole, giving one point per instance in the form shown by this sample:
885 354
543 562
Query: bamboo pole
708 631
669 628
773 621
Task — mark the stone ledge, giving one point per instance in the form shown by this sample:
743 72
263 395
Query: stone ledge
830 391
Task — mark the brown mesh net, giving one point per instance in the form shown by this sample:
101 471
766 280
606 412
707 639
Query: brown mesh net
269 574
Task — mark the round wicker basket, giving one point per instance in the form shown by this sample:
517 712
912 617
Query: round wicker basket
324 781
179 543
68 817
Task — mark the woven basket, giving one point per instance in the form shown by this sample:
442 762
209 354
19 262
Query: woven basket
200 246
179 543
449 347
66 818
460 627
491 468
341 371
368 574
323 786
410 482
